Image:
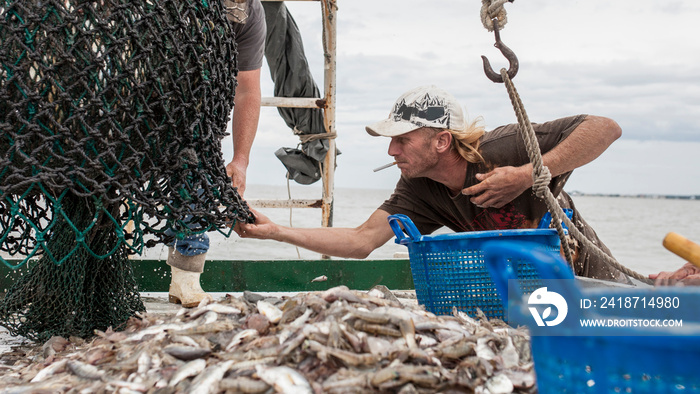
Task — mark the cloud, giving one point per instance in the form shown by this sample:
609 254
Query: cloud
635 62
641 167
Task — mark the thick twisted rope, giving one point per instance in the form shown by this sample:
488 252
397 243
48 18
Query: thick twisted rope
304 138
493 9
542 177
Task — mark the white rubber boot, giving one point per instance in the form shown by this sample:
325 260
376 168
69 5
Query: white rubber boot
185 288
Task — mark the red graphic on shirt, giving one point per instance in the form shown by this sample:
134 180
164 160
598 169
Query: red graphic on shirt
500 219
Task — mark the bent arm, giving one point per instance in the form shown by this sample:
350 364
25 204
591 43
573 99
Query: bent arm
246 115
356 242
585 143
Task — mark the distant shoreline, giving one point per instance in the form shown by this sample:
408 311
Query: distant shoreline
653 196
312 190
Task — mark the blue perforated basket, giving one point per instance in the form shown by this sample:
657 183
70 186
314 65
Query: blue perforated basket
449 271
570 358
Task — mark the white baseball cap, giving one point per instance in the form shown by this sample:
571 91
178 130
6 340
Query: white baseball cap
424 106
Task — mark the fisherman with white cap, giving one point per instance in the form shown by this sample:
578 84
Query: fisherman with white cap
455 174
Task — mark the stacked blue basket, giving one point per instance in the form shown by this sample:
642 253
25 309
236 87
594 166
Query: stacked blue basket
449 270
572 358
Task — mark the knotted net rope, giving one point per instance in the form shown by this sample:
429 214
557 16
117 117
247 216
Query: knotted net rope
542 177
111 119
493 10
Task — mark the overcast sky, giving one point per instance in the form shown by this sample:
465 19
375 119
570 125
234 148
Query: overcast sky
637 62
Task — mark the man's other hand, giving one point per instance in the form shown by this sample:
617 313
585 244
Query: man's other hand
688 275
237 173
499 187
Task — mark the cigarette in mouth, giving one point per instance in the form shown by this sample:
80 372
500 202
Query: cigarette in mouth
384 166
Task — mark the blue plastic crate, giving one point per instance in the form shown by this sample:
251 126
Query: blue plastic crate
448 269
575 359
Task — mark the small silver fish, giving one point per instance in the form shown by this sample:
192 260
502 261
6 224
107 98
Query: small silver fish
144 363
483 350
186 353
243 384
49 370
192 368
284 379
499 384
321 278
207 382
185 340
240 337
342 293
85 371
273 313
131 386
158 329
215 307
208 317
509 355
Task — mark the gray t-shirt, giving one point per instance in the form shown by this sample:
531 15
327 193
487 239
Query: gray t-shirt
250 35
431 205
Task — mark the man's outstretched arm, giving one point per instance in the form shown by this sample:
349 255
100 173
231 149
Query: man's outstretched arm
356 242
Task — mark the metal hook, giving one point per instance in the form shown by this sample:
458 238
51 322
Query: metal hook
507 52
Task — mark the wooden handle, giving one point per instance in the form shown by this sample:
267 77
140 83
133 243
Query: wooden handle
683 247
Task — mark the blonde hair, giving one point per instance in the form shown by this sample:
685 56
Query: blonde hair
466 140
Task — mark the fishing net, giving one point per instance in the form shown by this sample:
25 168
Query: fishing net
111 119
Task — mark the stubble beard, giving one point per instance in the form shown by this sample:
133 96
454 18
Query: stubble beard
423 167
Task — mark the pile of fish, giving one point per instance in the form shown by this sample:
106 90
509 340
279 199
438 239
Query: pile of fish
336 341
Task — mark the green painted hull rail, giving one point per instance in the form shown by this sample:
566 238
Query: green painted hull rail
266 276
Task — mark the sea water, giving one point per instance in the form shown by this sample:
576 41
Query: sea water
633 228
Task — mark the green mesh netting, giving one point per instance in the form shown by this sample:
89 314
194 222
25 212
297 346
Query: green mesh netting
111 119
81 294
